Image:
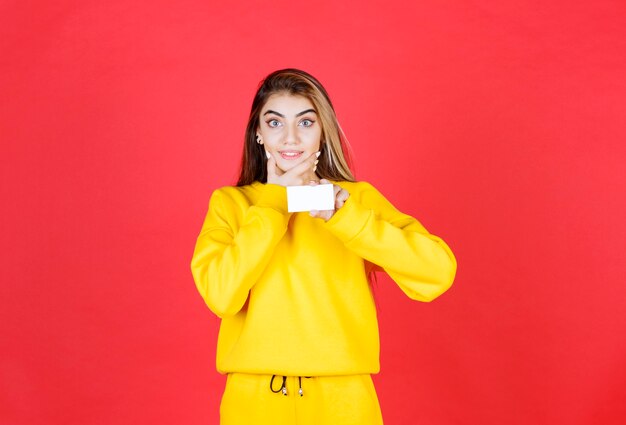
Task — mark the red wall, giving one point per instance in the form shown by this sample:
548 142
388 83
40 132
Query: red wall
500 125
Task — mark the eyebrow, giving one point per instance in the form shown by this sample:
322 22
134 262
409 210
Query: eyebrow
282 116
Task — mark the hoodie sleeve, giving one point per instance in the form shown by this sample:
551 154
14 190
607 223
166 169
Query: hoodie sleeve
420 263
235 245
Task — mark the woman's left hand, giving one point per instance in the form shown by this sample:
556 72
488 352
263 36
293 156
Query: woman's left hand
341 195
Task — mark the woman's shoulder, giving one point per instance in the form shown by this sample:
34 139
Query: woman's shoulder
239 195
356 185
245 189
358 188
369 196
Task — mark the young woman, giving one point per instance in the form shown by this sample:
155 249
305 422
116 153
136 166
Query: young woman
299 334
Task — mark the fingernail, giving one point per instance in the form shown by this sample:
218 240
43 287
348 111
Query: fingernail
315 168
317 154
316 161
268 155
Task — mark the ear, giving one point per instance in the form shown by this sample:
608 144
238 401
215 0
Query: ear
259 140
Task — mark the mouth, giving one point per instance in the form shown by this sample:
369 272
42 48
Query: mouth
290 154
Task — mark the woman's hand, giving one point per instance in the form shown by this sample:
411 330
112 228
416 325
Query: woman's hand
341 196
301 174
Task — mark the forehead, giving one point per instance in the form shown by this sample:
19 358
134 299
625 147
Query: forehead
287 104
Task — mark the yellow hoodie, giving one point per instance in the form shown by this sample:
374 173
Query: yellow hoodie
292 290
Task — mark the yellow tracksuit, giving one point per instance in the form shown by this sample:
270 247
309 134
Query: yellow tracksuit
292 290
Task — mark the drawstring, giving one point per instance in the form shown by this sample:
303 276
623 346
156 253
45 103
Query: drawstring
283 388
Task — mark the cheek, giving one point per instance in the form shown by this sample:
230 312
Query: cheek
315 140
270 141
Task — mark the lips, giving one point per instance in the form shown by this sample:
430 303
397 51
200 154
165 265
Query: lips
290 155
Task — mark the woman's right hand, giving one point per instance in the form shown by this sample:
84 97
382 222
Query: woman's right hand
301 174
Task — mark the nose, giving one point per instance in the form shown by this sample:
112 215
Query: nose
291 135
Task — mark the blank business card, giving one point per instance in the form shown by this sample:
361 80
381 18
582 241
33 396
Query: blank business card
306 198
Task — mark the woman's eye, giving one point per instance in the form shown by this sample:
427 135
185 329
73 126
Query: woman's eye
273 123
306 123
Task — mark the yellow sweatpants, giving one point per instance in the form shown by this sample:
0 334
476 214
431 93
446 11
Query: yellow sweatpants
336 400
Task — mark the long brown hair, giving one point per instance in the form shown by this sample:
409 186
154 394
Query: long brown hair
334 161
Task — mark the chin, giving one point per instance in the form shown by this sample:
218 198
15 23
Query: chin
284 168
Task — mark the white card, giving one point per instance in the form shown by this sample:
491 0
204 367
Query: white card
306 198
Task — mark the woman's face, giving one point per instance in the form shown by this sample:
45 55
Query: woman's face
289 129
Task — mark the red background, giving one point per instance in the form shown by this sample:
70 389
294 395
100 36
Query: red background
499 125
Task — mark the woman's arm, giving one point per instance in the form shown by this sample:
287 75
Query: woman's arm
420 263
234 248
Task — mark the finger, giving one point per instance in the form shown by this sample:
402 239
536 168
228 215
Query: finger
338 203
341 198
306 166
312 177
325 215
